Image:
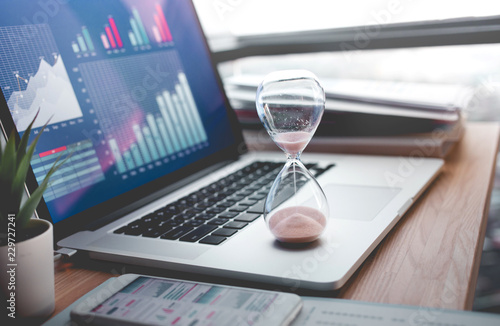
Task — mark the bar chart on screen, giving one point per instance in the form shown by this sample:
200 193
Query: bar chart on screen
145 126
177 129
83 45
111 37
140 32
157 31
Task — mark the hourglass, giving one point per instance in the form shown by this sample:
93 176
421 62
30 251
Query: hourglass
290 105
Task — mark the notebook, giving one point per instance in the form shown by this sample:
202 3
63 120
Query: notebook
133 94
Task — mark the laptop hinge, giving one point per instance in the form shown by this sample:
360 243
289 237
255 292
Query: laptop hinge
64 253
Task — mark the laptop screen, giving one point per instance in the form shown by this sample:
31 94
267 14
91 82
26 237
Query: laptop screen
128 88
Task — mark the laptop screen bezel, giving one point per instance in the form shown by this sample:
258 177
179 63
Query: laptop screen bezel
114 208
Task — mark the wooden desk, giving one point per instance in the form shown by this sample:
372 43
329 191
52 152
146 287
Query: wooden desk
431 257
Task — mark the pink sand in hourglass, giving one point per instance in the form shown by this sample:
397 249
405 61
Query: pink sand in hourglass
292 142
297 224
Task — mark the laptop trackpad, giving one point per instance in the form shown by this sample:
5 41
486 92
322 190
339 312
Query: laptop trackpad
360 203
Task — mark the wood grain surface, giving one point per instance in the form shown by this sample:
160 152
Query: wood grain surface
430 258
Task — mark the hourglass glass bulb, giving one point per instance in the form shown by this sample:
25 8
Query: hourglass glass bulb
290 105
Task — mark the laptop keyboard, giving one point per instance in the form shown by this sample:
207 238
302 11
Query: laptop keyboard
216 212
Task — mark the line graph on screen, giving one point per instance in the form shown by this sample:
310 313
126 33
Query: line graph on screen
34 78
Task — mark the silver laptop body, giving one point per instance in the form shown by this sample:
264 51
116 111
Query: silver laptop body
136 99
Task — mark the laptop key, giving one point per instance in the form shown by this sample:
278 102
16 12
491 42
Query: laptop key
213 240
235 225
225 232
205 204
227 215
236 198
226 204
155 233
176 233
218 221
205 216
186 216
195 222
238 208
247 202
198 233
247 217
216 210
134 230
245 192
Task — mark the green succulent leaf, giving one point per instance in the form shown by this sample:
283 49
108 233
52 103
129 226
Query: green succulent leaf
21 150
7 171
30 205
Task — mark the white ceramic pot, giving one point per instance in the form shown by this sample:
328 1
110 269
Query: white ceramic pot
30 273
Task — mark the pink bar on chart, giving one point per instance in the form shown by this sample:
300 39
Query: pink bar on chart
110 36
115 31
162 32
105 41
164 24
156 33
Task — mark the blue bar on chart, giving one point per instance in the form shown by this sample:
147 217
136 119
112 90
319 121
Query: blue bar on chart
86 35
166 118
188 115
192 106
140 26
136 32
81 43
171 109
141 143
156 135
120 165
179 109
164 135
75 47
128 160
149 141
132 38
136 154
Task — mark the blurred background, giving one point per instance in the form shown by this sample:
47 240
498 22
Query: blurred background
398 41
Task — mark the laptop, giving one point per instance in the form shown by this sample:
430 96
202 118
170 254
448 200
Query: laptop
134 97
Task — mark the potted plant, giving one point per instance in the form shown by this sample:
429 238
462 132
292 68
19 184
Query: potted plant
26 243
